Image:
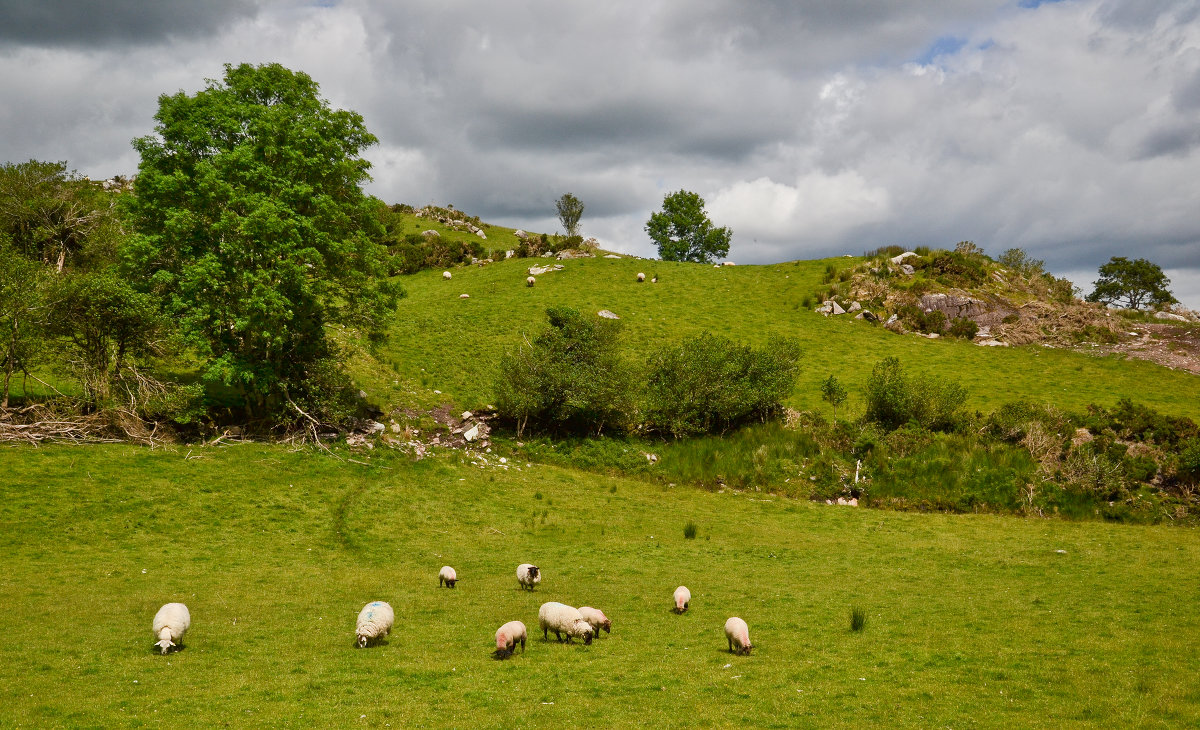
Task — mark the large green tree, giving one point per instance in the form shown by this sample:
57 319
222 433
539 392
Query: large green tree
570 210
683 231
1131 284
255 231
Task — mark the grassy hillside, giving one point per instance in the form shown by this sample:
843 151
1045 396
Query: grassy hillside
970 619
439 341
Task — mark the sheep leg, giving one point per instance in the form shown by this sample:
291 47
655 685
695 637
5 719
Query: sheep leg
545 633
730 645
558 636
522 646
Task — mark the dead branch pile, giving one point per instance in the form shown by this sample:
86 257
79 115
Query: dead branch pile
41 423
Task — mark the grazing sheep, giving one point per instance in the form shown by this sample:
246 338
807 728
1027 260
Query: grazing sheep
563 619
446 275
374 622
528 575
530 281
596 618
448 576
641 277
682 598
507 637
170 624
738 635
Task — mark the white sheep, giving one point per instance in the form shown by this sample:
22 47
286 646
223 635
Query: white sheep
447 275
170 624
530 281
448 576
374 622
596 618
563 619
738 635
682 598
641 276
528 575
507 637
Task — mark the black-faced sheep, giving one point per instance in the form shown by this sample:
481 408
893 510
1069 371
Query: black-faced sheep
528 575
374 622
447 576
738 635
563 619
507 637
170 624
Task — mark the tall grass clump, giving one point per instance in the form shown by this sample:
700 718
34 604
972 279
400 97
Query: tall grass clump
858 619
690 530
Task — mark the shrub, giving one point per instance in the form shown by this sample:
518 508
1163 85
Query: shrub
893 399
964 328
1187 462
709 384
572 378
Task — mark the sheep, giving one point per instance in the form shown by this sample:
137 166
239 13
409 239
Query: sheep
374 622
507 637
170 624
530 281
528 575
448 576
641 277
597 619
447 276
738 635
682 598
563 619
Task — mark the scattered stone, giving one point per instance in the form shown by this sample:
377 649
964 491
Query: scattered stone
472 433
607 314
991 343
466 415
430 233
907 269
519 233
611 256
1171 316
897 260
854 307
464 296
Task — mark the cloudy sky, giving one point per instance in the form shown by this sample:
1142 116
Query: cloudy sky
1070 129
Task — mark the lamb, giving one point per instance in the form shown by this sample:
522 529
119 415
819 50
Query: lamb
507 637
641 277
563 619
170 624
682 598
738 635
447 275
596 618
528 575
374 622
448 576
530 281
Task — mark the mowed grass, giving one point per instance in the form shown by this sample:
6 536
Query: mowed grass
969 620
439 341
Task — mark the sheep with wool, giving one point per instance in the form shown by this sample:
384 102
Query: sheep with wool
447 576
563 619
738 635
374 622
170 624
682 598
641 277
530 281
528 576
447 275
596 618
507 637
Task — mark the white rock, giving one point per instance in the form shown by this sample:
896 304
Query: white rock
472 433
607 314
466 415
854 307
900 259
612 256
447 275
1171 316
464 296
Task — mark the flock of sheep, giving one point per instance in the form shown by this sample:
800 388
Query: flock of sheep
377 617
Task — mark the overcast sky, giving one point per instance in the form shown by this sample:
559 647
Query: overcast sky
1070 129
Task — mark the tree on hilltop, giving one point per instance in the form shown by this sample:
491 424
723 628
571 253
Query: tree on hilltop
570 210
1131 284
683 231
254 230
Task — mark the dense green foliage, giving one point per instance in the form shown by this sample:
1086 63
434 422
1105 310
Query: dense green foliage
711 384
571 378
1132 284
254 230
833 393
683 232
893 398
570 210
969 619
24 313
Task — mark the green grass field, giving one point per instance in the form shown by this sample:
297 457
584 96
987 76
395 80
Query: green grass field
441 342
970 620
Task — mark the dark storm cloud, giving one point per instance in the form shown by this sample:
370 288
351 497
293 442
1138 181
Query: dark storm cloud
86 23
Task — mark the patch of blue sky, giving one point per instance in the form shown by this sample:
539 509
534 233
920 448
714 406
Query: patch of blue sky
1032 4
944 46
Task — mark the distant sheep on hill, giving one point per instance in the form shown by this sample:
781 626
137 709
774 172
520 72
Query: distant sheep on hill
641 277
507 637
596 618
374 622
447 275
682 598
738 635
170 624
447 576
528 575
530 281
563 619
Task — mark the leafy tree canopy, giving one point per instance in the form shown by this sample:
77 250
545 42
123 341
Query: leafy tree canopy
254 227
570 210
683 231
1131 284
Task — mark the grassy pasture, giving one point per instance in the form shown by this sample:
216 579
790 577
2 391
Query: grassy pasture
970 620
439 341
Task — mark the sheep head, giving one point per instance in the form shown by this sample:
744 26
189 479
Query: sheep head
362 641
165 645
